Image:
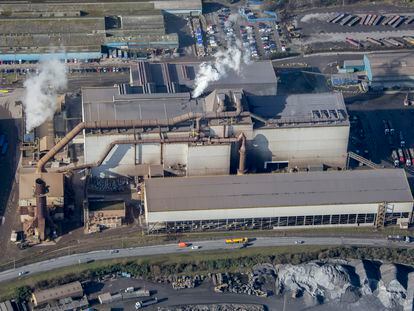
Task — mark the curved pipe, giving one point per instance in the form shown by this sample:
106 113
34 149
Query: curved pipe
126 124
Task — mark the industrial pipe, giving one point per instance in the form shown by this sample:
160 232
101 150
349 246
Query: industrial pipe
130 124
149 141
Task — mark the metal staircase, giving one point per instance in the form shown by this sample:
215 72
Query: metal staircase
360 159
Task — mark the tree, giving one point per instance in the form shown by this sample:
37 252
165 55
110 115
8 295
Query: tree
23 293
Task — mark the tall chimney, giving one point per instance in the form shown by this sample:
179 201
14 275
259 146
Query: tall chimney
242 159
40 192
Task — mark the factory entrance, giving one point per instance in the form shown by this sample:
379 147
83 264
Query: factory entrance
271 166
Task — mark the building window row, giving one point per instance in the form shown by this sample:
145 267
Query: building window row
267 223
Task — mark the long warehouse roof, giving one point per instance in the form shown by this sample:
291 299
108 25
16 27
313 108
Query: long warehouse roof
273 190
260 72
104 104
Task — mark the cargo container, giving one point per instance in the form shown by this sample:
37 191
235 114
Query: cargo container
353 42
392 131
145 303
398 22
393 20
2 139
402 140
386 20
377 21
374 41
354 21
409 20
386 127
411 151
401 156
410 40
367 19
395 158
337 18
392 42
346 20
371 21
407 157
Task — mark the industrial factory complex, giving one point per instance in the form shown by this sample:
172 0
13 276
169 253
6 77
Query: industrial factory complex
131 129
87 30
201 163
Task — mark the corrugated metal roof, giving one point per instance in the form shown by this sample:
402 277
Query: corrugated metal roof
73 289
354 63
54 182
108 106
184 73
296 106
391 64
273 190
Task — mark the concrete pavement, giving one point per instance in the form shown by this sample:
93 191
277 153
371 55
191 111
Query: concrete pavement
205 246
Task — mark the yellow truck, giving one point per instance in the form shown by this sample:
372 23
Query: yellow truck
237 241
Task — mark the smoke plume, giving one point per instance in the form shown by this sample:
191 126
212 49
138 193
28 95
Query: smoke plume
41 89
225 61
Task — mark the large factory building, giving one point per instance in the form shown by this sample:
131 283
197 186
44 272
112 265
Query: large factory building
224 132
389 70
273 201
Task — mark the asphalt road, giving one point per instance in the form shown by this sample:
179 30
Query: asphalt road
173 248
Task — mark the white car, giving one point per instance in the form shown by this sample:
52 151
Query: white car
195 247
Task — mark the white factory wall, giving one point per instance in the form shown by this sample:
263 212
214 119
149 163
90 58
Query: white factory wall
175 154
200 160
121 155
208 160
258 212
300 146
148 154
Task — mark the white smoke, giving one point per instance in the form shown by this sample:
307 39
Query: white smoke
224 61
41 89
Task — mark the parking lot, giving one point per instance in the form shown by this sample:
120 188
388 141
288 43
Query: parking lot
358 28
369 136
227 27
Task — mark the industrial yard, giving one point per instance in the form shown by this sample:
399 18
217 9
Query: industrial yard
160 127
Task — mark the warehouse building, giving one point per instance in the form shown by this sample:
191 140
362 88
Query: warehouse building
103 214
273 201
258 78
390 70
69 290
33 31
203 136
